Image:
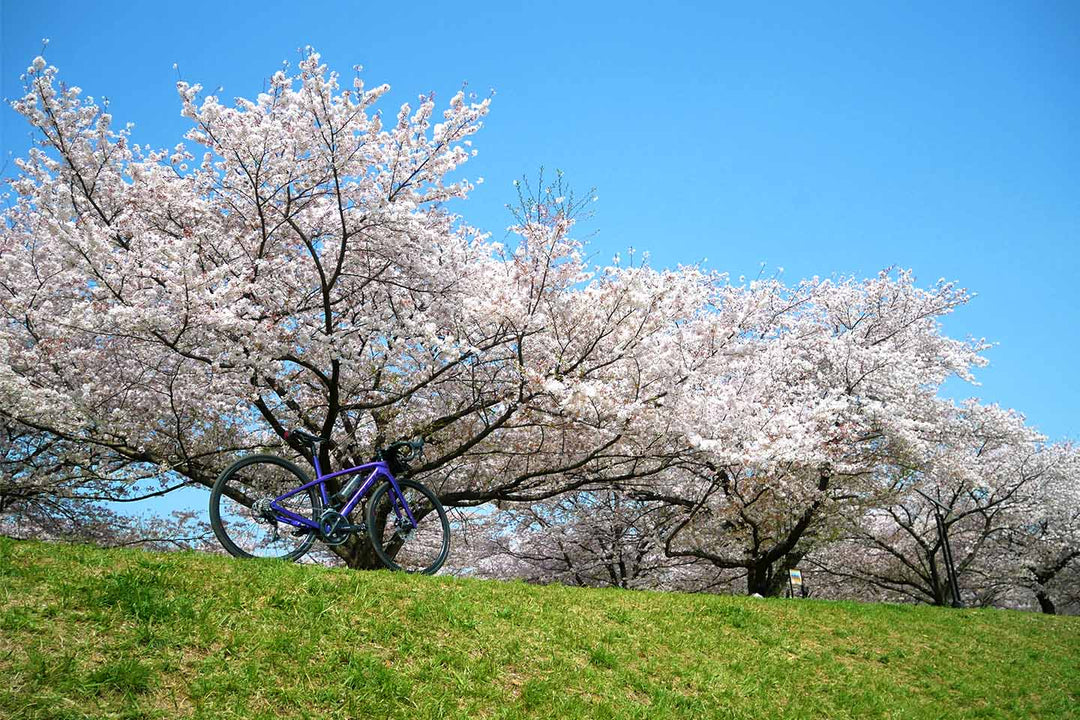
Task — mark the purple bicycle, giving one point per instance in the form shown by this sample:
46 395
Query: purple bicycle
265 506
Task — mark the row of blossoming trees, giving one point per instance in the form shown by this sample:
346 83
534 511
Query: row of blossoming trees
295 264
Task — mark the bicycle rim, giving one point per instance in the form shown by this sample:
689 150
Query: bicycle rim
239 509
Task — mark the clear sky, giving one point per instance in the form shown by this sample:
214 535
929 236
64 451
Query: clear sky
836 139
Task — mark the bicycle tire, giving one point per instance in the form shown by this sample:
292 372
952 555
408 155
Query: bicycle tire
239 530
426 549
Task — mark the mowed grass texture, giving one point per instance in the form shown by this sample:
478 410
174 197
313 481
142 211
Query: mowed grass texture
91 633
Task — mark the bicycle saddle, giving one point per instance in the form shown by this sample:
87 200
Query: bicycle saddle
307 437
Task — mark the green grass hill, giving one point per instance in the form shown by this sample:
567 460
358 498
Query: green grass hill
91 633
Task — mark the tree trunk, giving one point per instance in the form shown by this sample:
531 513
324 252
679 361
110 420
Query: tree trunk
939 586
770 578
761 580
1045 603
1045 574
358 554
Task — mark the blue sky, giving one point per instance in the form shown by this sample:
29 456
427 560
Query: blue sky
838 139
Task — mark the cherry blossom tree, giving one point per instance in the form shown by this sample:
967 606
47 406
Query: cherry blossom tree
792 422
294 264
977 468
44 495
1040 549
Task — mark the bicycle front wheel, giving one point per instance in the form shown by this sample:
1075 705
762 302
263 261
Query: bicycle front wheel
400 546
240 512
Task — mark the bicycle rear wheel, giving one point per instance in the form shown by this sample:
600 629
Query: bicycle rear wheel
240 513
398 544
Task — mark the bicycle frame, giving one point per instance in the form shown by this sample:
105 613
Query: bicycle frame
378 469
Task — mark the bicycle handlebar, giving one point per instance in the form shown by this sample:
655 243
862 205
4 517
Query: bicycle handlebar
405 449
402 451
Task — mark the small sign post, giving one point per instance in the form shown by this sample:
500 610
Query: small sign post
795 580
946 549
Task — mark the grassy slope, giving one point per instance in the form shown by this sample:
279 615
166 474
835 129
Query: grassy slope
94 633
